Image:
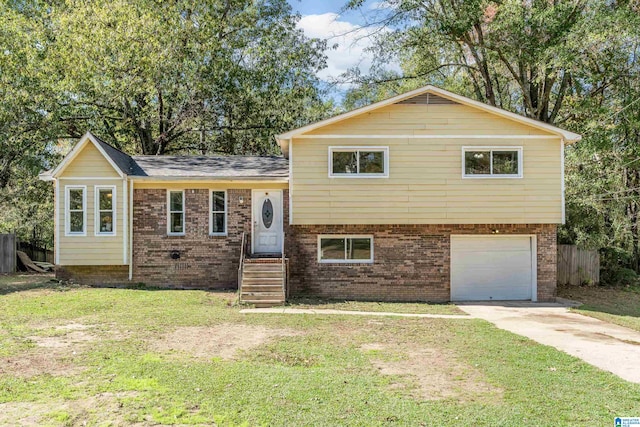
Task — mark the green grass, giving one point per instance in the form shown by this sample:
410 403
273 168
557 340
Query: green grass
317 373
392 307
616 305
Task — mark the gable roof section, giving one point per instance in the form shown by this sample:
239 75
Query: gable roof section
124 161
179 167
442 96
116 158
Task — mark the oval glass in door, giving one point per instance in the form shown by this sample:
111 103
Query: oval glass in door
267 213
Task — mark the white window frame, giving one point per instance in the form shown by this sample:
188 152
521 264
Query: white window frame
211 212
493 148
356 149
67 211
96 211
345 261
169 212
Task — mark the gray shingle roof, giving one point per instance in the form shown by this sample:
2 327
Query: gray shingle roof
213 167
126 164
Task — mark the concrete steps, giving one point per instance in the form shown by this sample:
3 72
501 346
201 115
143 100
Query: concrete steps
262 281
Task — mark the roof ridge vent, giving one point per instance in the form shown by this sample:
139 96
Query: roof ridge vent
427 99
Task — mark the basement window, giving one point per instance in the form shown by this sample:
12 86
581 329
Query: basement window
345 249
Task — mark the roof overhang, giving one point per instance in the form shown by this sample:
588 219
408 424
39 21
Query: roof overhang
46 176
568 137
88 138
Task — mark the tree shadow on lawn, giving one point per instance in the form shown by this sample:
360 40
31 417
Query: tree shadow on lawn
19 282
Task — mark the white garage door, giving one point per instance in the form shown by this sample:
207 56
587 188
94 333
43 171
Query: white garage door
492 268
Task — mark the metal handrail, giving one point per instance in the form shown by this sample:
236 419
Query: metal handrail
240 267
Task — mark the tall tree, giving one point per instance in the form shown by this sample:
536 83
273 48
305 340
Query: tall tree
210 76
29 123
525 56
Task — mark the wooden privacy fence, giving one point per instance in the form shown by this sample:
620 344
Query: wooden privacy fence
7 253
578 266
36 253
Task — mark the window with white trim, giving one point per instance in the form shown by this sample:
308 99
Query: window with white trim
105 210
175 205
345 249
492 162
76 210
218 216
359 162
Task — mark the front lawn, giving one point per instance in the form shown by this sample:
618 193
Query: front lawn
616 305
76 355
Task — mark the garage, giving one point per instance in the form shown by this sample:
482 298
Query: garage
485 268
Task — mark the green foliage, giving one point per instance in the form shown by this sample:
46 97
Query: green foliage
619 276
152 77
210 77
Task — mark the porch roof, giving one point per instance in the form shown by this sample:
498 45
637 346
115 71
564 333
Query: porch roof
235 167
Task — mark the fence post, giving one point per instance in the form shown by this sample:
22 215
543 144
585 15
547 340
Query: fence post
8 260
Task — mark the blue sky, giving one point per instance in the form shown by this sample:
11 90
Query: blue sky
316 7
345 33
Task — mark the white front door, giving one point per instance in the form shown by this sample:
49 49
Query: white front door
267 221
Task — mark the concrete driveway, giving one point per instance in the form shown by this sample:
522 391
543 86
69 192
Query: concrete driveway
609 347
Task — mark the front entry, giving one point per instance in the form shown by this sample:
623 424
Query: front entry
267 221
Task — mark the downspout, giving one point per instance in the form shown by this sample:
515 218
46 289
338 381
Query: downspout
130 229
562 179
125 221
56 223
290 183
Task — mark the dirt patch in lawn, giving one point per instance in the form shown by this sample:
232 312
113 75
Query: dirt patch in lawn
430 373
103 406
225 341
71 339
34 363
52 354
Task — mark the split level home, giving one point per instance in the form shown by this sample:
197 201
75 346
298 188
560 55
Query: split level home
426 196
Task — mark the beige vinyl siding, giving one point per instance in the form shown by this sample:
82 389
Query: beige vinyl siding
427 120
91 249
425 184
90 163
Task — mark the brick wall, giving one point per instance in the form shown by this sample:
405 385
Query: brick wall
94 275
411 262
205 261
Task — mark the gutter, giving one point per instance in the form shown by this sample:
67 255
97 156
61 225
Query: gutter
283 179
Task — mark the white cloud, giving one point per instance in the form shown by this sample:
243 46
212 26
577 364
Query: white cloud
350 42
